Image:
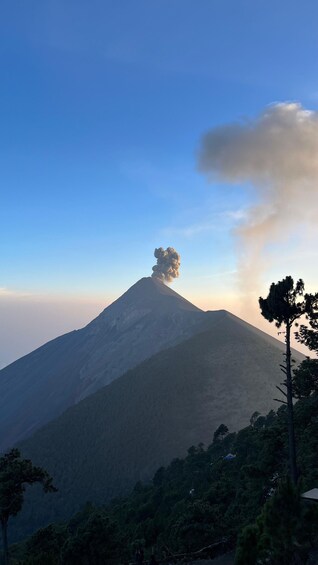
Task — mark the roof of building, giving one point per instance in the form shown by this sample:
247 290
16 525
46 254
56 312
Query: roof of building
311 494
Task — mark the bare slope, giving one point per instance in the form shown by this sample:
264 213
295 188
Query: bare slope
124 432
40 386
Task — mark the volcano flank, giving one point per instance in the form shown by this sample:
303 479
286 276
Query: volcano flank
149 377
41 385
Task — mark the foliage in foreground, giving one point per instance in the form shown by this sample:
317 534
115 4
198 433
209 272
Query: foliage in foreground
199 500
283 532
285 304
15 474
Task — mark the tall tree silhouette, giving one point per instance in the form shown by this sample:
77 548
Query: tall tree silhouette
309 335
284 305
15 474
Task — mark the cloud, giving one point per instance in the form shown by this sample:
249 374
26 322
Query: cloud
219 221
189 231
276 154
7 293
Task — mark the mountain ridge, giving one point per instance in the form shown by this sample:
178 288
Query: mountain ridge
148 317
121 434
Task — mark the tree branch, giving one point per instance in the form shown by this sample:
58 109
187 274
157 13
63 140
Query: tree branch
280 390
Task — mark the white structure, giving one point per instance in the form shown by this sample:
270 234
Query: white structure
311 495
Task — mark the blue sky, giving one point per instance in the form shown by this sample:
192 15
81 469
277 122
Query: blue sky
103 105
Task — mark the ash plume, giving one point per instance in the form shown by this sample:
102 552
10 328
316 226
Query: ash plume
168 264
276 154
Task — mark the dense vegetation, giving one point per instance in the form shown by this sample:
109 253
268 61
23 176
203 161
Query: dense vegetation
15 475
237 490
100 448
200 500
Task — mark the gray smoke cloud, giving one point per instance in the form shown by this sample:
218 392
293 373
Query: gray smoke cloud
168 264
276 153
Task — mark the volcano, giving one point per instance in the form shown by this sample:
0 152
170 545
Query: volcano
124 432
145 320
149 377
149 317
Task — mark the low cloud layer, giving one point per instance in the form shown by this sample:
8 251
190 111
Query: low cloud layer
168 264
276 154
8 293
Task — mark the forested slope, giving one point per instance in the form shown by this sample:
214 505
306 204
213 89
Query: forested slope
99 448
194 502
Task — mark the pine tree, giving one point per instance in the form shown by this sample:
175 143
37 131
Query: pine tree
15 474
284 305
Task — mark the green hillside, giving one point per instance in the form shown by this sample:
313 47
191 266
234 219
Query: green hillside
101 447
203 500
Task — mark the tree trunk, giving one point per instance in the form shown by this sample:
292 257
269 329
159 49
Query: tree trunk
290 411
4 527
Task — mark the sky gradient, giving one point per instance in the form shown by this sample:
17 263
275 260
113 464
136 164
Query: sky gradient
104 105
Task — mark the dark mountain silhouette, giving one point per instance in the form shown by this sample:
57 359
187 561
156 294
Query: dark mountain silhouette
99 448
41 385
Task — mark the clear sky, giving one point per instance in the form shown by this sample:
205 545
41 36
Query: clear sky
103 107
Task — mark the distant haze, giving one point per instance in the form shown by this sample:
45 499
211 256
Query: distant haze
28 323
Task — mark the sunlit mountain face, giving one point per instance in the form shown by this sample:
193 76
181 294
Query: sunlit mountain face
38 387
99 448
